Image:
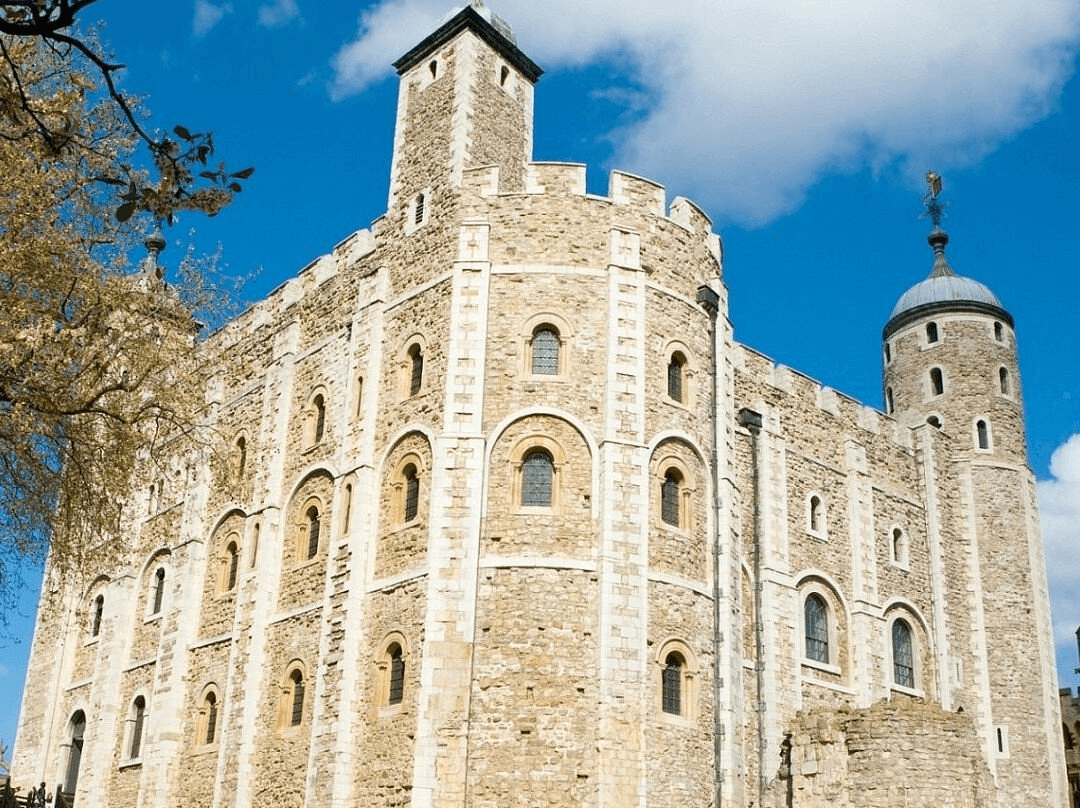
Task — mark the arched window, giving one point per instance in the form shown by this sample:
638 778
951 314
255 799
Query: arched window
318 418
982 434
241 456
232 562
418 203
903 655
545 351
295 693
934 421
138 716
931 332
396 691
937 382
816 615
672 684
78 730
416 368
888 353
1003 380
999 332
670 495
313 519
96 614
348 508
537 478
888 401
675 371
815 515
899 547
159 591
412 493
209 718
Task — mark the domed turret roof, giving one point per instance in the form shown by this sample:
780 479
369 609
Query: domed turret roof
943 290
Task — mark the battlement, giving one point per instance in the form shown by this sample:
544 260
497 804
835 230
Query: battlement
566 180
805 392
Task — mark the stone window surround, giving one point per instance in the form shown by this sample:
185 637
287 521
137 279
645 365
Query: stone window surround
976 442
818 513
421 199
136 722
285 702
202 718
302 532
405 363
834 611
562 329
688 682
523 446
899 547
312 438
673 349
225 561
919 647
382 664
157 561
665 464
398 491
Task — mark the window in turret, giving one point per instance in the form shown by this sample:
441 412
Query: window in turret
816 616
138 719
418 211
982 434
999 332
96 614
411 504
675 372
416 369
670 498
937 382
888 401
537 479
888 353
931 332
311 530
157 595
1003 381
903 654
816 517
898 547
544 350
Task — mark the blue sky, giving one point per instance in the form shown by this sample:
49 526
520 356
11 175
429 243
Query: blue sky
802 127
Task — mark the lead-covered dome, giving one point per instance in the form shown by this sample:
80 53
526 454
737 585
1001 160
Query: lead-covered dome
944 290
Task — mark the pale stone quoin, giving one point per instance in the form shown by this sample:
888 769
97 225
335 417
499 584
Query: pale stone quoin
511 519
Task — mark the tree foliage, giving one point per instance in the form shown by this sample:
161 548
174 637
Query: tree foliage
94 353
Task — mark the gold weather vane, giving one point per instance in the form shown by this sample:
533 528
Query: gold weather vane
934 209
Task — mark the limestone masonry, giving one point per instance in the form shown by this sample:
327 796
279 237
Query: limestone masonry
511 519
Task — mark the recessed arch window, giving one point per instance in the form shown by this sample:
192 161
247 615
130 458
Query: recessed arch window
816 624
391 665
97 611
411 505
672 678
934 421
888 353
312 524
982 434
671 497
232 563
537 479
292 697
138 719
318 407
899 547
208 718
416 368
903 654
240 457
937 382
931 332
158 594
816 516
418 204
1003 381
77 730
544 350
999 332
889 401
676 372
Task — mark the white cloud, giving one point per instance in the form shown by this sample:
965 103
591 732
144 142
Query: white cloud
207 15
1059 511
278 13
753 100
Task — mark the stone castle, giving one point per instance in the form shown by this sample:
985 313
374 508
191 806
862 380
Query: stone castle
511 519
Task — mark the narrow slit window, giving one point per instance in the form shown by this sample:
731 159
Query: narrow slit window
313 528
296 713
416 369
888 353
418 209
159 590
982 432
999 332
816 515
211 718
889 407
1003 380
241 456
396 690
675 372
232 559
412 493
319 414
98 613
139 717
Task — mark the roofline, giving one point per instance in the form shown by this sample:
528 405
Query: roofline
944 306
469 19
